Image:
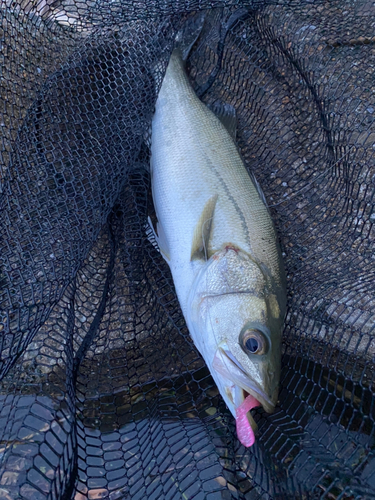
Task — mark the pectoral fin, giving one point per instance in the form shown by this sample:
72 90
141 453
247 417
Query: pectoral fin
203 230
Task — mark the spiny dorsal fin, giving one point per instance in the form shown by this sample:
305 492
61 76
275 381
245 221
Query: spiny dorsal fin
259 189
227 115
202 231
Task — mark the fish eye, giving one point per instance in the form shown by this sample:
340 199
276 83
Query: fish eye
253 341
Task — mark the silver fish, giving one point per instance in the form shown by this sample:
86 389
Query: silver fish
215 232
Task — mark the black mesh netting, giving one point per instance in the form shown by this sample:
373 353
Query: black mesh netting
103 395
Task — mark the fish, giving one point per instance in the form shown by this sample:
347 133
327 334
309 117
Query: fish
216 234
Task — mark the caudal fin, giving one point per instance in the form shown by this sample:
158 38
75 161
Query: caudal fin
189 33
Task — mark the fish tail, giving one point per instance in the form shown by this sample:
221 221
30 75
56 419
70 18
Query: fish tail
189 34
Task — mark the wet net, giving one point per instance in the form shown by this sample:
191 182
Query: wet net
103 394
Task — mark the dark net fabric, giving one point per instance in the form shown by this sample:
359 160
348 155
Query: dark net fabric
103 394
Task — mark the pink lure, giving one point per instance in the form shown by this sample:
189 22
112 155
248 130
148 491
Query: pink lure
244 431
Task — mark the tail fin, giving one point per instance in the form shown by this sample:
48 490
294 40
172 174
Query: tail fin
189 33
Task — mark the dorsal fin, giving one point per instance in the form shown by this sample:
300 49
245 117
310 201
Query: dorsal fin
259 189
227 115
202 232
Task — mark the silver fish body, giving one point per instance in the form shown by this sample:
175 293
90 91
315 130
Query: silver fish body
216 234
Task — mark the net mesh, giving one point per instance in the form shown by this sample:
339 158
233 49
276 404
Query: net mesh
103 394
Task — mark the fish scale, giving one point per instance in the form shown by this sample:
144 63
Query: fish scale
209 211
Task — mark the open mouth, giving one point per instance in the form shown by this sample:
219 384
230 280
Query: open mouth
243 393
228 366
240 398
243 402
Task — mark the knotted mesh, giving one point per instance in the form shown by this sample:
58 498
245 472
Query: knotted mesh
103 394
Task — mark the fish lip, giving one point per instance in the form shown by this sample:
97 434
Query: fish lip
250 387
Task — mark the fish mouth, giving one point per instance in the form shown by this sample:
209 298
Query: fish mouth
238 397
228 366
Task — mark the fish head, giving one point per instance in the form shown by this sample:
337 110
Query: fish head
237 318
